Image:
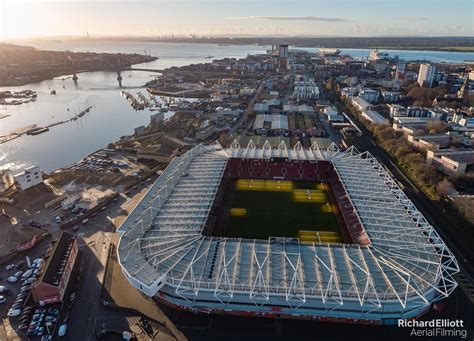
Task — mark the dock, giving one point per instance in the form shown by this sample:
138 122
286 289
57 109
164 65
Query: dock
34 130
11 135
135 103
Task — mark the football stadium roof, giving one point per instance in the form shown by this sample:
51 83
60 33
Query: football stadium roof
405 268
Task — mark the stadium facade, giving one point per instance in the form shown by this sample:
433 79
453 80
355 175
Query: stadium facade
394 266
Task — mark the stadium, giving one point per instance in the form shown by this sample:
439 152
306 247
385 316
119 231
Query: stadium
284 233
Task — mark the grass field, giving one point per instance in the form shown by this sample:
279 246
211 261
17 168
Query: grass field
270 208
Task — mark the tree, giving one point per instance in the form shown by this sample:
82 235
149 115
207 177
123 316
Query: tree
435 127
444 187
424 96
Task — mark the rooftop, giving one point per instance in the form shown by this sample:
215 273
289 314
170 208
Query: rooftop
162 239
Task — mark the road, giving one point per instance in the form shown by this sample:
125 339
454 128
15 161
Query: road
94 245
249 109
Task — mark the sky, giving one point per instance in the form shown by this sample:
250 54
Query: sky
36 18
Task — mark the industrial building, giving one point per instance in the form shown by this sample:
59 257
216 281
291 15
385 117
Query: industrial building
265 123
361 104
395 265
53 283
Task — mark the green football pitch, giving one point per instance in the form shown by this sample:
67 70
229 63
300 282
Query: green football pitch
266 208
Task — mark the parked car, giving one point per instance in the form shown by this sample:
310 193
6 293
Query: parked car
24 317
62 330
27 274
85 221
14 312
18 274
39 331
34 223
30 280
51 319
9 267
26 312
53 311
23 326
2 299
12 279
16 306
21 295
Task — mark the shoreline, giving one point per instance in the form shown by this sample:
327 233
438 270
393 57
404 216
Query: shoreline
435 44
58 73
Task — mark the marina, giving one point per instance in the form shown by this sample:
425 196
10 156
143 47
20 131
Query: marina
59 146
17 97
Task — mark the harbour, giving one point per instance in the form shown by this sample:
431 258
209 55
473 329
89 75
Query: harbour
112 117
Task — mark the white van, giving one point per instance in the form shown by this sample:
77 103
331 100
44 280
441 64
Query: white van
14 312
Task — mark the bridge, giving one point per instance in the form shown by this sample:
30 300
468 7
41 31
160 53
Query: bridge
143 69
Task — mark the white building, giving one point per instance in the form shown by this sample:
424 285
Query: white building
426 75
374 117
305 89
361 104
30 177
397 110
391 96
333 115
370 95
348 91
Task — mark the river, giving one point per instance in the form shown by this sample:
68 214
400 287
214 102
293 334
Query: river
111 116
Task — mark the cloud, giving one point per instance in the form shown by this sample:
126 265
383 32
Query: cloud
282 18
411 19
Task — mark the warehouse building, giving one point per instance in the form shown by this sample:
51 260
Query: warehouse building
53 283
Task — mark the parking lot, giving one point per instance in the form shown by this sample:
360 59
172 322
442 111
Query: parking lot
34 322
17 278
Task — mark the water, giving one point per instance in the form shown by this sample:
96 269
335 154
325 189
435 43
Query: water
112 116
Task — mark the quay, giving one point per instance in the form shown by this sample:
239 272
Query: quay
34 130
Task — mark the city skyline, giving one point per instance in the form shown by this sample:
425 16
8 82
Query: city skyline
36 18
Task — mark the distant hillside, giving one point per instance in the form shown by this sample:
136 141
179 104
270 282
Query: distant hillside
407 43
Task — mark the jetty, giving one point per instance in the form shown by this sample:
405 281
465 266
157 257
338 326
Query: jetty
34 130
